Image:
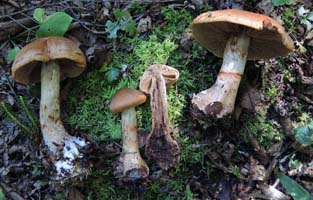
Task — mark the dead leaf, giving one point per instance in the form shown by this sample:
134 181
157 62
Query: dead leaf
229 150
257 172
142 136
272 193
186 41
144 24
198 3
309 39
251 100
266 6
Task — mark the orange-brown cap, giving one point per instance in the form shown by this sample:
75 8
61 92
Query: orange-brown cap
267 37
27 63
126 98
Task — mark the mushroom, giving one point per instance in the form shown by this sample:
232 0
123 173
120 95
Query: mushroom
160 146
50 60
236 36
133 167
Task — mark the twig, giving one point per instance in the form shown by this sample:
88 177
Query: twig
9 191
13 3
304 98
29 9
258 149
223 168
82 24
304 79
9 83
13 27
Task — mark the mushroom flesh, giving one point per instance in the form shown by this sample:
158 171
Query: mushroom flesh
160 146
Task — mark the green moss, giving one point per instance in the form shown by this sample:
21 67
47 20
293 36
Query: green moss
263 129
272 93
100 184
289 17
177 21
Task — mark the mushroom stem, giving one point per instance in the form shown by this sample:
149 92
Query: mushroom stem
219 100
160 145
59 142
52 128
134 167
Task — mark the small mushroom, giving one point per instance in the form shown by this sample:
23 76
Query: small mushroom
160 146
133 167
50 60
236 36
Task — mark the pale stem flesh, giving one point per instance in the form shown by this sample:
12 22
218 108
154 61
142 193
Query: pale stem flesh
54 133
160 145
219 100
134 166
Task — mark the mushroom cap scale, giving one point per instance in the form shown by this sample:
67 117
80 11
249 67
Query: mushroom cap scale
126 98
267 36
27 64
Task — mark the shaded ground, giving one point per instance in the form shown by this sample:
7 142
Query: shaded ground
237 160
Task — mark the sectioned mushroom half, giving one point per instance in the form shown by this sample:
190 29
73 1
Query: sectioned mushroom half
236 36
49 60
133 167
160 146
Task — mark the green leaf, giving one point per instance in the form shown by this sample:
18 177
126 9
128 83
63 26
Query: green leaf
281 2
121 14
12 53
2 197
129 27
294 189
117 14
54 25
304 134
310 16
112 74
112 28
38 15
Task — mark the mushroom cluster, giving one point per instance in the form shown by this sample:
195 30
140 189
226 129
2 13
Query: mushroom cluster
50 60
160 146
236 36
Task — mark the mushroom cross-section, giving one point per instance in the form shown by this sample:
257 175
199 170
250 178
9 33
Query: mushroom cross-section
160 146
236 36
133 167
50 60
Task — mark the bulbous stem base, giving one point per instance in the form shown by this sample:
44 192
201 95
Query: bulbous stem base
219 100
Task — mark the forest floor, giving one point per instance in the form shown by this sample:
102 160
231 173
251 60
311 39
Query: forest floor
240 159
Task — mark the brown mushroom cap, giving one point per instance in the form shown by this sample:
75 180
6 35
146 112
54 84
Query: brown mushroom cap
126 98
27 64
170 75
267 37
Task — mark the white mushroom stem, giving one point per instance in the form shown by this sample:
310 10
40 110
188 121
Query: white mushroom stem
219 100
54 133
52 128
134 166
